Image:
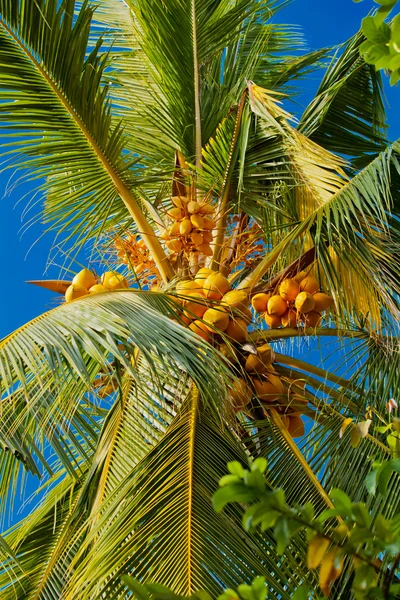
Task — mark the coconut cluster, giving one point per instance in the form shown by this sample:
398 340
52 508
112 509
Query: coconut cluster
221 316
85 282
298 301
192 225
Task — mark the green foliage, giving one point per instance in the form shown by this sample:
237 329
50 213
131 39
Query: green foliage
382 46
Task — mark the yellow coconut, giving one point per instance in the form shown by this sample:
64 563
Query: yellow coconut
276 306
260 301
312 319
240 394
208 223
300 276
175 228
289 290
207 237
296 426
106 277
205 249
259 362
322 301
289 319
179 201
174 245
197 221
75 291
202 330
272 321
195 304
185 227
197 238
85 278
237 330
193 207
267 390
97 289
176 213
241 313
309 284
116 282
236 299
229 352
304 302
205 209
215 286
202 275
216 318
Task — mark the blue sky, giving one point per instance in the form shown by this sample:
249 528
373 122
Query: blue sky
324 23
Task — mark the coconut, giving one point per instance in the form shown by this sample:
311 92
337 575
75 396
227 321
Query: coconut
193 207
309 284
322 302
207 236
272 321
75 291
260 301
197 238
175 228
267 390
296 426
116 282
289 290
174 245
216 318
202 275
85 278
97 289
205 249
188 286
236 299
195 304
197 221
312 319
276 306
240 394
208 223
202 330
237 330
300 276
176 213
179 201
304 302
185 227
258 363
205 209
215 286
289 319
229 352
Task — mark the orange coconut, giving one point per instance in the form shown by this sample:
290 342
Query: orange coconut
176 213
237 330
258 362
197 221
116 282
267 390
202 275
97 288
260 301
202 330
289 319
304 302
215 286
289 290
273 321
75 291
174 245
188 286
296 426
235 299
276 306
309 284
312 319
300 276
195 305
197 238
185 227
205 249
216 318
240 394
322 301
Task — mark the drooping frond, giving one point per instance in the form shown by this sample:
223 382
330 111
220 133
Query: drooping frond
347 115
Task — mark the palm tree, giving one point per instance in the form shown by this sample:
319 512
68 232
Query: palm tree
118 410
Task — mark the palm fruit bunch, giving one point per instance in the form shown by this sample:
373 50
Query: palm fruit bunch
85 282
192 225
133 252
221 316
299 300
